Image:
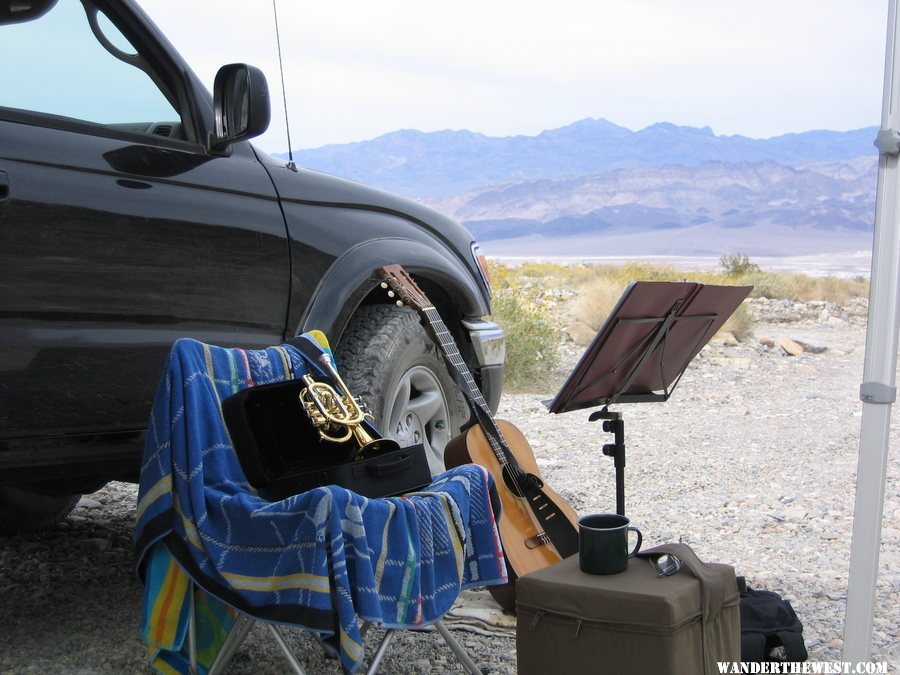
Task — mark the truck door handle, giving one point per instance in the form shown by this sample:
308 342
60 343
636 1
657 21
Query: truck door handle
4 186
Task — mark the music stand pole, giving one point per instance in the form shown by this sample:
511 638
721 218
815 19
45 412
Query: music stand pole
614 424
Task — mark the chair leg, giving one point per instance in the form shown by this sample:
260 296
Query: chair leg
457 648
236 636
192 632
379 653
451 641
288 654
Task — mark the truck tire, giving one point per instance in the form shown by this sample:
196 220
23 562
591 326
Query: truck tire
390 363
23 509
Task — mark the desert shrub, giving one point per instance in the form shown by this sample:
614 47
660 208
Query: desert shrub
532 338
740 324
737 265
770 285
803 288
594 302
538 269
531 343
840 291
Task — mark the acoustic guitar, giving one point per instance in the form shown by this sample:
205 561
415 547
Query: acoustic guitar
537 527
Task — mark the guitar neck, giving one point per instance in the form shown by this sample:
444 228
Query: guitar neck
463 376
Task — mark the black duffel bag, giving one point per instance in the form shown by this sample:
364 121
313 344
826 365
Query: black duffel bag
770 629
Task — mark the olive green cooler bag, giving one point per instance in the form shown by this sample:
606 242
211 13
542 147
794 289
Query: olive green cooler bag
633 622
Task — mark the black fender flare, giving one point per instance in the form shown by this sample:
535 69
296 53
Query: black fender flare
352 277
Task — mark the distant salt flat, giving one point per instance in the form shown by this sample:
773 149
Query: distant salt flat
845 265
806 250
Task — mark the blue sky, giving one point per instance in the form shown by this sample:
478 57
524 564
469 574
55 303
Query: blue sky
356 69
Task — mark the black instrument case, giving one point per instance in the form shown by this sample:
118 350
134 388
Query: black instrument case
282 453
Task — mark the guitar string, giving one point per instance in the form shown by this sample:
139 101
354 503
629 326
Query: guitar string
452 353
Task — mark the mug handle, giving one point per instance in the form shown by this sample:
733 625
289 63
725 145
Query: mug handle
640 538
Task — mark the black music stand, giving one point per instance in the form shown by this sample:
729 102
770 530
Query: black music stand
641 352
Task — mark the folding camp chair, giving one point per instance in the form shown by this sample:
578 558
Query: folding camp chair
318 560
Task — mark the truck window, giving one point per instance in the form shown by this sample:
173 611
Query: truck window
58 65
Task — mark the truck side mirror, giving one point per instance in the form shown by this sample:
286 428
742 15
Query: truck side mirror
241 103
23 10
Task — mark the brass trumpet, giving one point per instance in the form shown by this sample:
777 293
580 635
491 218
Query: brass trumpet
339 417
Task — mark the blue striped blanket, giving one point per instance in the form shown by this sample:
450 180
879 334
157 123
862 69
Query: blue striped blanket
323 559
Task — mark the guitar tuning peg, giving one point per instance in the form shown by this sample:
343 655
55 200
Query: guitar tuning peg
399 303
384 284
391 294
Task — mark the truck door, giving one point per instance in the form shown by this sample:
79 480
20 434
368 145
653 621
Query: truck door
118 233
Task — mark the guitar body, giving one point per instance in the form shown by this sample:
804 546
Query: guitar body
517 526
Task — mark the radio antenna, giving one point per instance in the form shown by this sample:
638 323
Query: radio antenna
287 124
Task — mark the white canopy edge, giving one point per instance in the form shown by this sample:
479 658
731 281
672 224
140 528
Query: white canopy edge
879 373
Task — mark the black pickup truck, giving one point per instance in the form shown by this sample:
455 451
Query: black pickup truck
134 211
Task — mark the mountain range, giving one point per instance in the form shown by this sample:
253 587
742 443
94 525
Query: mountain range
665 189
756 208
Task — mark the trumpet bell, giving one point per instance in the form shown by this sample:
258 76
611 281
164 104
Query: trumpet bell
376 447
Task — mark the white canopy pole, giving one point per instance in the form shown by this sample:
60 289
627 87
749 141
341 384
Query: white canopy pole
878 390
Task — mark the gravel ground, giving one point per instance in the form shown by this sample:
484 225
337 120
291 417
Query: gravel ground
751 462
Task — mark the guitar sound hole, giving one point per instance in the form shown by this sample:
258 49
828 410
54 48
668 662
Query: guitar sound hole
510 481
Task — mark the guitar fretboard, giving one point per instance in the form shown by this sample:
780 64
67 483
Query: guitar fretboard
467 383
